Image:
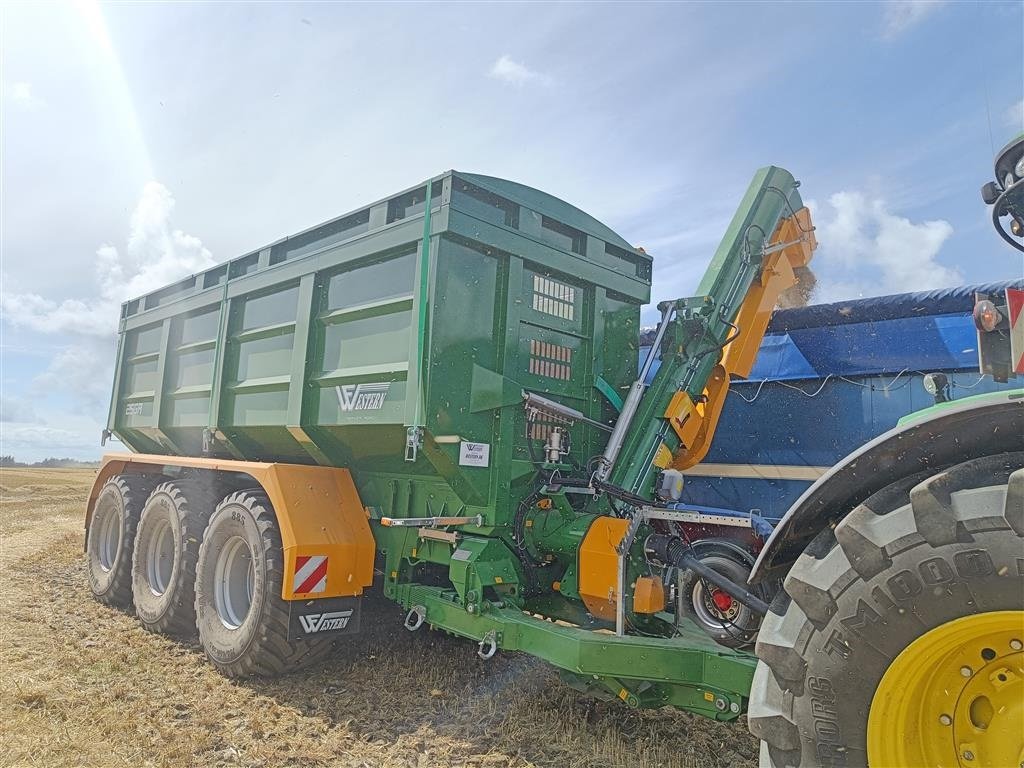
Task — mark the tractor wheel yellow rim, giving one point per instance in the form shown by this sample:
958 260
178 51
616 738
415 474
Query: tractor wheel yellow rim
953 697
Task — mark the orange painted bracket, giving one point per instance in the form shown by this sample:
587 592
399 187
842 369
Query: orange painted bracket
599 566
648 595
697 426
319 513
695 423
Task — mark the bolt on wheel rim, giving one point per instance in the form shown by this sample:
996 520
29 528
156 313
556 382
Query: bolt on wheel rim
954 696
235 580
707 609
160 558
706 602
108 538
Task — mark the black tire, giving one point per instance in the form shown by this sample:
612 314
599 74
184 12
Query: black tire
110 537
734 627
243 533
919 553
167 542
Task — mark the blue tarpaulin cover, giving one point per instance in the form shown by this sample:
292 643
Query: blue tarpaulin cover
943 301
925 331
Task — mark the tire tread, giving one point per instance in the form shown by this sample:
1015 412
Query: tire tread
134 489
193 503
861 546
271 653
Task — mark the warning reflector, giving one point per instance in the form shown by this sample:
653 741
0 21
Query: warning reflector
1015 310
310 574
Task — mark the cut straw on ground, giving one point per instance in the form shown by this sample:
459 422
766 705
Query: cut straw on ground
85 685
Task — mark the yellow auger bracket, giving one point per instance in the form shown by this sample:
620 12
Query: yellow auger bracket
325 530
790 250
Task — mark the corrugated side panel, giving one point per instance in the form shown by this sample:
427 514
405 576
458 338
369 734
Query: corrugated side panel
306 350
164 394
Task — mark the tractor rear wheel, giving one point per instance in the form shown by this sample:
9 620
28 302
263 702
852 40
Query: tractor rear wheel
110 537
897 639
166 551
241 617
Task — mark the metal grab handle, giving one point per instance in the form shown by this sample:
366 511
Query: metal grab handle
491 641
415 618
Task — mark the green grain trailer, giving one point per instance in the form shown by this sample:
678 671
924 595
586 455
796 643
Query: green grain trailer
442 383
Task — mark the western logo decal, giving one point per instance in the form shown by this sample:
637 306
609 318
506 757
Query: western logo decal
333 616
324 622
363 397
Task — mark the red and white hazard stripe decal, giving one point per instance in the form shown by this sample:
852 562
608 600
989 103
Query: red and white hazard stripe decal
310 574
1015 308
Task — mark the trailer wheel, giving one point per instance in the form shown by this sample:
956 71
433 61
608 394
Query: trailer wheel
725 619
166 552
897 639
111 535
242 620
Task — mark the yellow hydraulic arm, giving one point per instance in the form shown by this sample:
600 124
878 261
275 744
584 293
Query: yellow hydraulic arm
783 269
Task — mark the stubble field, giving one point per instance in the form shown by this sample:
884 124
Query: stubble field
84 685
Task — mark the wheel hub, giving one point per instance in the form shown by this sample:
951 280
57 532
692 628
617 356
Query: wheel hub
160 558
108 539
234 581
955 696
715 608
722 600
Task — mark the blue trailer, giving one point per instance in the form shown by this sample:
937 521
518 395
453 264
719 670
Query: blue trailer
827 379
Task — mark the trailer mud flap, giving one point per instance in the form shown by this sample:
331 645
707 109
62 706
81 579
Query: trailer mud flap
328 616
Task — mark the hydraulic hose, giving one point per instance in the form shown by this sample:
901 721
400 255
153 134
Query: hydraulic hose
636 392
672 550
997 215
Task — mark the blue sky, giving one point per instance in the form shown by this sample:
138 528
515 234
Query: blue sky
143 142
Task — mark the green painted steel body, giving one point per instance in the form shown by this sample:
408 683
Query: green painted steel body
397 341
326 346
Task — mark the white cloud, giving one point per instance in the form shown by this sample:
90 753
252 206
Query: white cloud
33 442
901 15
867 250
516 73
85 370
28 436
1014 116
20 95
21 91
155 255
15 410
